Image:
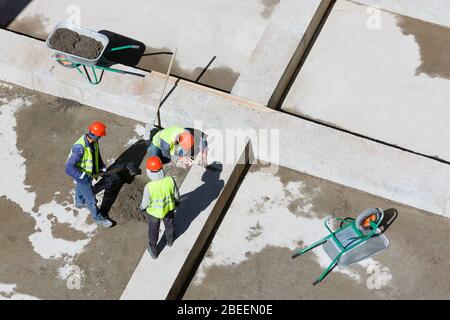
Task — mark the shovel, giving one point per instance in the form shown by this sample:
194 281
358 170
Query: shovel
116 169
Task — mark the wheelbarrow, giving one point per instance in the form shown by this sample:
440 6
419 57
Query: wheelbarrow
355 240
82 64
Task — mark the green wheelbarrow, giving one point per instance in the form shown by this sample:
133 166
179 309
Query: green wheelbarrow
81 64
355 240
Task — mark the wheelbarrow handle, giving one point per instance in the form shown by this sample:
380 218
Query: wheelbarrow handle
133 46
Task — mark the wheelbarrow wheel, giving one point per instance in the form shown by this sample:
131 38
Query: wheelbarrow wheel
367 216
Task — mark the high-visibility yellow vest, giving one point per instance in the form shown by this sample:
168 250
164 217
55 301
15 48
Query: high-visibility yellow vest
162 197
168 135
86 162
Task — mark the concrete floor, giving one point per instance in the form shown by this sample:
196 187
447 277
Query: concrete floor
390 84
41 232
434 11
230 31
272 215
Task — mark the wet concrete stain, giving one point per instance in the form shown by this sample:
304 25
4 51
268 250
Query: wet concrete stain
415 259
35 26
45 133
223 78
66 232
20 264
434 43
269 7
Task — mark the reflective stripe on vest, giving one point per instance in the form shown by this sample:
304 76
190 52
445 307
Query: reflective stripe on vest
168 135
162 197
86 162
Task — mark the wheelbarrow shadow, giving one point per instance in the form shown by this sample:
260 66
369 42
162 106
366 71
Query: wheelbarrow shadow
390 215
127 57
196 201
129 162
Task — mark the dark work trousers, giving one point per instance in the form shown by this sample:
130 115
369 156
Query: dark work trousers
153 228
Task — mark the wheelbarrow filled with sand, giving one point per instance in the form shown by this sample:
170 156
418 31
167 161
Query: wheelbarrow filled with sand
82 48
355 240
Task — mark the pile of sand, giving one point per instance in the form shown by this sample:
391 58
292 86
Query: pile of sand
69 41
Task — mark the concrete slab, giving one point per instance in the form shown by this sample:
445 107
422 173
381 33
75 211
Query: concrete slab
319 151
390 84
45 239
279 51
232 33
272 215
435 11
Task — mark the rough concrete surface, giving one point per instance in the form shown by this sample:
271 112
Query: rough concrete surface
44 237
396 84
272 215
202 30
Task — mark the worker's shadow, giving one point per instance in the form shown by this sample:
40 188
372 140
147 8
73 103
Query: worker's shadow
130 161
195 202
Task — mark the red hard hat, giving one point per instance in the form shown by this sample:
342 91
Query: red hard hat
154 163
186 140
98 128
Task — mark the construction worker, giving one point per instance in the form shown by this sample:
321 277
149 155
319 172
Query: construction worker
177 144
84 161
158 203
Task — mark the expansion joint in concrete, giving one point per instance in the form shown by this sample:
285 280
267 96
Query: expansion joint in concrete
301 54
434 158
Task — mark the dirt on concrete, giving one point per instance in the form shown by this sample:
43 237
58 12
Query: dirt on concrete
46 131
69 41
417 257
35 25
269 7
222 78
434 43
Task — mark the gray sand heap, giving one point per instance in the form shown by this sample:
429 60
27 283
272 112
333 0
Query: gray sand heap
69 41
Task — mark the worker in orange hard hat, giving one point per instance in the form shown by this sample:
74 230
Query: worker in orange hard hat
179 144
158 203
83 162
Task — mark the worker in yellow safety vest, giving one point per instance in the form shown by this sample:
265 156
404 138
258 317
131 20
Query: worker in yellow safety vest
83 162
176 144
159 200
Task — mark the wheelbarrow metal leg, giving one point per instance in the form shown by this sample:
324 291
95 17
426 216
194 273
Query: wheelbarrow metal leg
328 269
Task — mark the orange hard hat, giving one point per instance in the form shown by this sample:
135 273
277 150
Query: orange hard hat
97 128
154 163
186 140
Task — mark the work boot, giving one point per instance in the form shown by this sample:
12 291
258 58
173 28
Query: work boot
153 252
105 223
